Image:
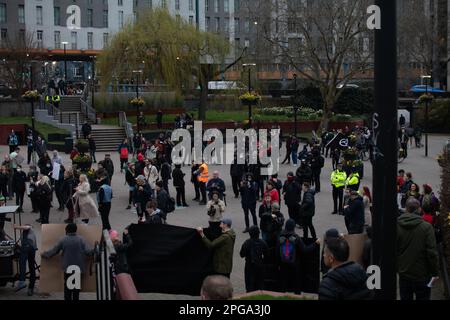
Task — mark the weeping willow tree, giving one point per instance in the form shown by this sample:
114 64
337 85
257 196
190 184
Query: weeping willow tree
171 50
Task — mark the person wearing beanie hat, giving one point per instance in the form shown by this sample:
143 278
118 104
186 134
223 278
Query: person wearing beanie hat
271 224
290 246
222 247
254 250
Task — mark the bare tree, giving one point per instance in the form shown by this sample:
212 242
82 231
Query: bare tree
325 42
16 56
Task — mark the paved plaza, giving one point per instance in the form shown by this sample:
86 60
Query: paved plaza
425 170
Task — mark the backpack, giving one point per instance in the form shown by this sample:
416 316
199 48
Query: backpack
170 205
256 254
288 249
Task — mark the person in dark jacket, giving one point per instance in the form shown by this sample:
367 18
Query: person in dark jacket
288 151
32 178
45 164
292 192
417 255
194 180
346 280
303 173
92 148
108 165
317 163
249 196
290 271
86 130
153 215
161 196
74 249
19 186
179 184
28 248
4 181
271 223
141 195
130 178
166 173
58 186
236 172
215 184
44 196
121 247
354 214
254 250
307 211
104 197
330 234
159 118
67 191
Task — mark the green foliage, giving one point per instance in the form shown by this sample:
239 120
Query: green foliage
115 102
439 116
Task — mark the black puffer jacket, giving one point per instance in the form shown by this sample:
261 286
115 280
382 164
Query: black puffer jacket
346 282
121 262
308 206
293 193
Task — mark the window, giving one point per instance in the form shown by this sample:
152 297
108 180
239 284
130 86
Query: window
2 12
90 18
21 14
90 40
120 19
120 3
105 40
74 40
191 20
57 15
206 5
57 38
237 5
150 3
208 24
164 3
217 26
247 25
177 4
191 5
39 37
39 17
237 25
226 6
216 6
3 35
178 18
226 26
247 43
105 18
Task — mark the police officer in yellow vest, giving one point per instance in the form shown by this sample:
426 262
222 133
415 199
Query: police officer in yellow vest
338 180
56 99
48 98
353 181
203 177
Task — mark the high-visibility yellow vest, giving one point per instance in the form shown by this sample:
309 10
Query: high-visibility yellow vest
56 98
353 180
338 178
47 98
204 176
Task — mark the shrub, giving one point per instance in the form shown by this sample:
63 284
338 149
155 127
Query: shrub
439 116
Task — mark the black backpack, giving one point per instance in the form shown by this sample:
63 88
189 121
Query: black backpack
170 205
256 253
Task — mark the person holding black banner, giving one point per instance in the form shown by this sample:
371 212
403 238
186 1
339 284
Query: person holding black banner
254 250
222 248
338 179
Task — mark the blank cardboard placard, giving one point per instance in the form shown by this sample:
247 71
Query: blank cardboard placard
356 244
51 275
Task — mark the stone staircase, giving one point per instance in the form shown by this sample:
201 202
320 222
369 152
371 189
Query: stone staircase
69 107
107 138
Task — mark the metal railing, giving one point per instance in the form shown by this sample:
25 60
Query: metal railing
128 127
104 267
86 108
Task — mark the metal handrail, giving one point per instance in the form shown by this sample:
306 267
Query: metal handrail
86 108
123 123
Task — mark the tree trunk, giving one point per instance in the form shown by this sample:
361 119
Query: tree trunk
203 101
329 100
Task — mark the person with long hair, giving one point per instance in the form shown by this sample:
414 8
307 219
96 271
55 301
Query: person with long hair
85 207
44 195
413 191
367 200
429 204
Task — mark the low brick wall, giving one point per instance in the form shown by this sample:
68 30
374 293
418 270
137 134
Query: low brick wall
19 129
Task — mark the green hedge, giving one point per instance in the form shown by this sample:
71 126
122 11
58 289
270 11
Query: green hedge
439 116
111 102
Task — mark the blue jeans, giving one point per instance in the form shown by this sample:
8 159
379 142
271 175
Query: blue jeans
294 156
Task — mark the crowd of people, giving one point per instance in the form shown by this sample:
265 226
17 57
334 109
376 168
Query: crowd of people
147 170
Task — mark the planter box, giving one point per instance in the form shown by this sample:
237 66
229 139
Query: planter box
83 166
52 137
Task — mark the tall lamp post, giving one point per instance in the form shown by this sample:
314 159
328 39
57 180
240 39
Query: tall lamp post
249 65
137 73
295 104
427 104
65 43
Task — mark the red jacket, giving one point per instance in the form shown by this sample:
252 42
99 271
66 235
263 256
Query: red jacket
274 196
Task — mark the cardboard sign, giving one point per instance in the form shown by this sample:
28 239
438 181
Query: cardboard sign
51 275
356 244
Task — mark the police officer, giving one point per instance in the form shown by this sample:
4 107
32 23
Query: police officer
338 180
353 181
56 99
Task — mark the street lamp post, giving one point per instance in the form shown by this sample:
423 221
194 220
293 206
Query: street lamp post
65 43
295 104
137 72
249 65
426 78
